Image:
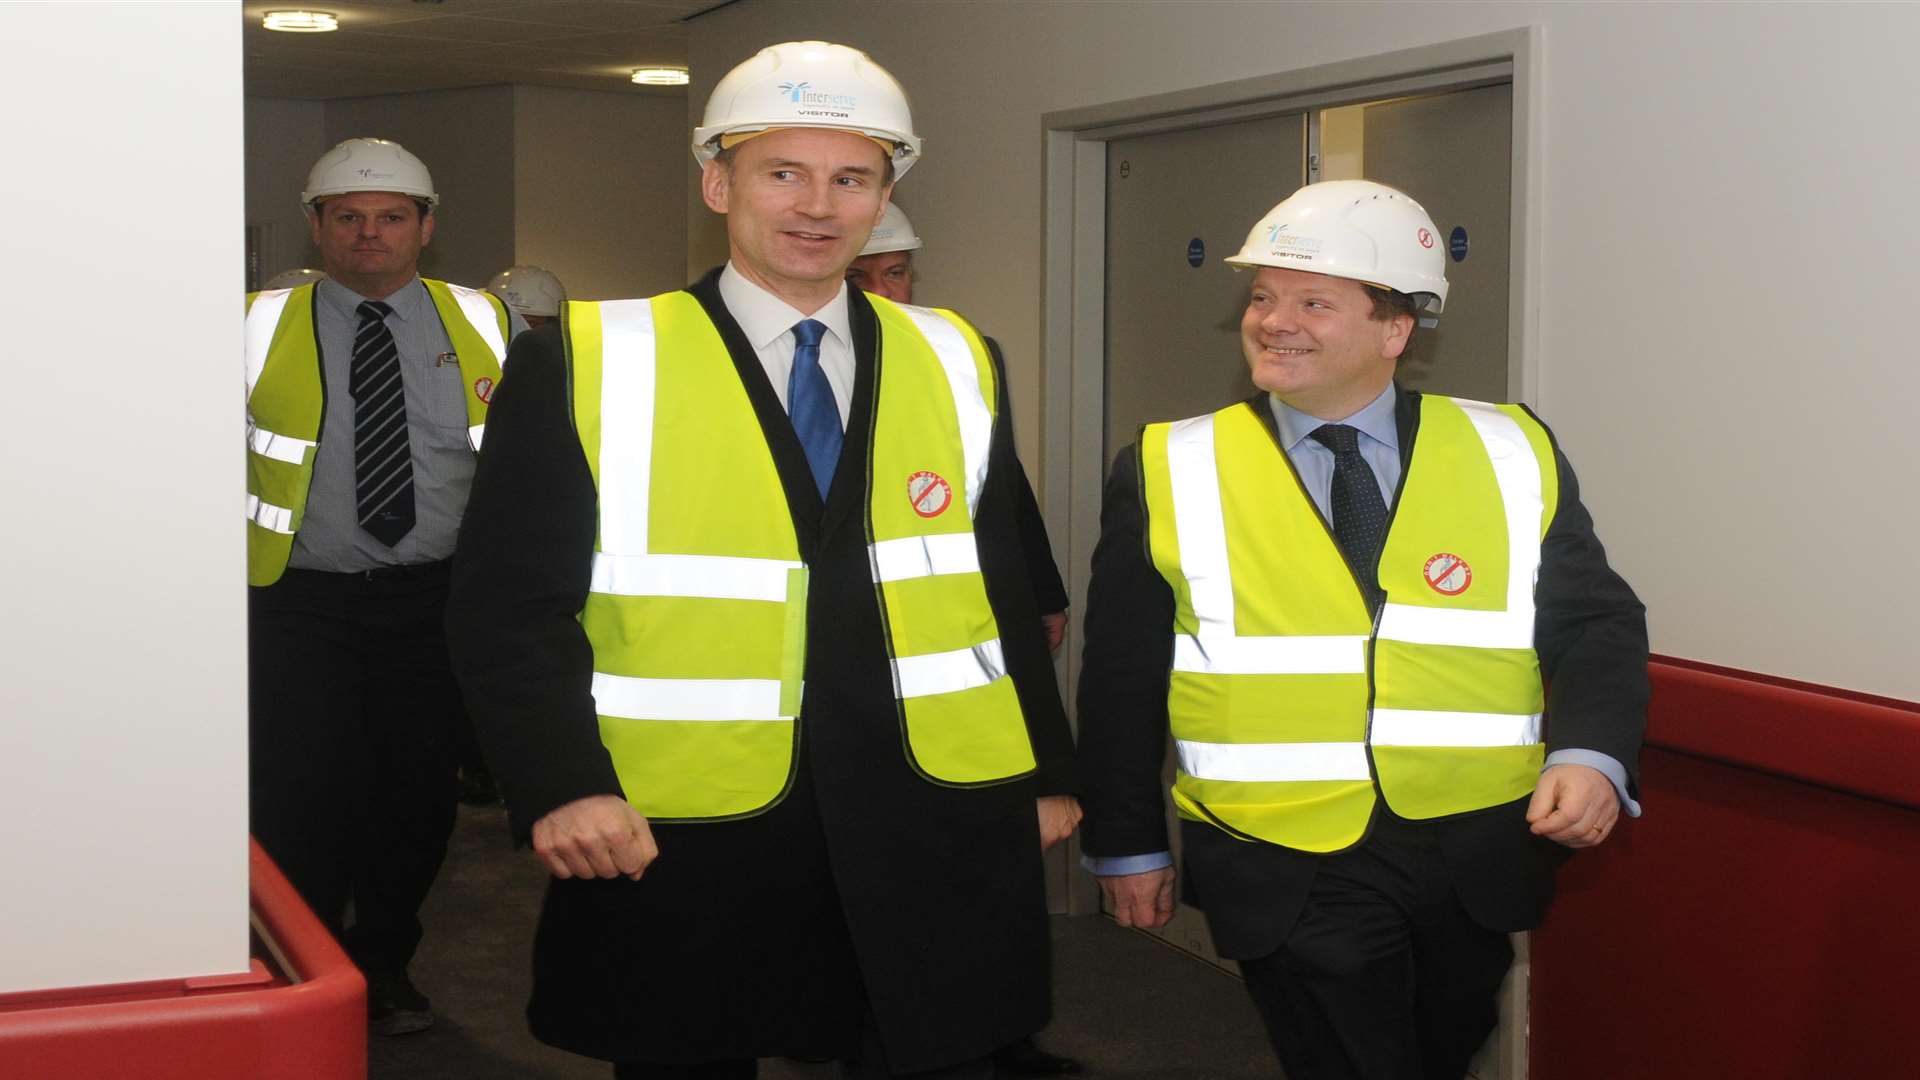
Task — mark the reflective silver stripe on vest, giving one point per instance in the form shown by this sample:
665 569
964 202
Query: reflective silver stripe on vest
686 699
1517 471
268 516
1419 727
1259 763
1201 528
262 319
969 400
946 672
627 382
474 434
924 556
278 447
714 576
484 319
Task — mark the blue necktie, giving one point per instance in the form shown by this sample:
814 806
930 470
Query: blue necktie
816 419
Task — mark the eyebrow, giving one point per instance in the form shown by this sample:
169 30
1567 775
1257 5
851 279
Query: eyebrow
789 163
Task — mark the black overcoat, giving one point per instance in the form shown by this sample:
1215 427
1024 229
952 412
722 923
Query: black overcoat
868 887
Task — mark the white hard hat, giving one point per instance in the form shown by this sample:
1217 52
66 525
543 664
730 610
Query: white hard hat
369 165
810 84
1354 229
529 290
293 279
894 233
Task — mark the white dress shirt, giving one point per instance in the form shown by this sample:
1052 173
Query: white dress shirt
768 322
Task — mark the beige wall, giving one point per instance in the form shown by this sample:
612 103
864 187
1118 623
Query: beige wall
283 139
600 189
466 137
123 721
1726 251
588 184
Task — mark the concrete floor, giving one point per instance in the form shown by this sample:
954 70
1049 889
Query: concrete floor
1126 1005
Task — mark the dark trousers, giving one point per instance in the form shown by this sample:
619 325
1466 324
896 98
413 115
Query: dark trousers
869 1064
352 781
1384 977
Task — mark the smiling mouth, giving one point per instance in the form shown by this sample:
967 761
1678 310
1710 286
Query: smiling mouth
810 237
1286 350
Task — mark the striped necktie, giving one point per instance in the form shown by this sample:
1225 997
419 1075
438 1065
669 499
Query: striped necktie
382 459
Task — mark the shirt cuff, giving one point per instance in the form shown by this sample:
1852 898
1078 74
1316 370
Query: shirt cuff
1120 865
1608 765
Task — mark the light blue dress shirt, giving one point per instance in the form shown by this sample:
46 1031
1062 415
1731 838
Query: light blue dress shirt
1379 444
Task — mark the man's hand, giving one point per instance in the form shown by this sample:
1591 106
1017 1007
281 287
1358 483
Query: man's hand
1054 626
598 836
1142 900
1573 805
1059 816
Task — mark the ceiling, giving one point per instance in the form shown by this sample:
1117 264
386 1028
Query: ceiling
395 46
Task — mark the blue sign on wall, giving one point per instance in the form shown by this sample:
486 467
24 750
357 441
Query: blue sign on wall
1457 243
1196 252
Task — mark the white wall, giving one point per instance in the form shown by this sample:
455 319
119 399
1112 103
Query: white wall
284 138
600 189
123 709
1728 255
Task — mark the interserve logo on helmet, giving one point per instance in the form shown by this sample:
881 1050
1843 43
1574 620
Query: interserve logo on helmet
802 93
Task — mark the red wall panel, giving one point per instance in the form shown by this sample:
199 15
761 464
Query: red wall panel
1759 921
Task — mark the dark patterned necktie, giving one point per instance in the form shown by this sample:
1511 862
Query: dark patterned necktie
1359 513
382 460
816 419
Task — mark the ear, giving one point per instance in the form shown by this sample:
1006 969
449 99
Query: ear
886 199
1398 332
313 223
426 229
715 185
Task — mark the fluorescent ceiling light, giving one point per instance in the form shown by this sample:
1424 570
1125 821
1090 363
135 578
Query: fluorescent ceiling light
300 22
660 76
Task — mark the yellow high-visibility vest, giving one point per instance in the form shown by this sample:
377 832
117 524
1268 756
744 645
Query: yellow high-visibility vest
286 398
698 605
1291 710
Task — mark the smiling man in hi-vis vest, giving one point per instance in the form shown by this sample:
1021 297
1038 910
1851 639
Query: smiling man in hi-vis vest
367 392
742 588
1343 597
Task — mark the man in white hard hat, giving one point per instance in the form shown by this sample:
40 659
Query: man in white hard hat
367 396
742 587
532 293
1342 597
885 268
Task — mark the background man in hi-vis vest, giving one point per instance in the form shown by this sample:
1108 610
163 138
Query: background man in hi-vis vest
367 392
1342 598
742 588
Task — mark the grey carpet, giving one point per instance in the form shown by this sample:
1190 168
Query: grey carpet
1128 1006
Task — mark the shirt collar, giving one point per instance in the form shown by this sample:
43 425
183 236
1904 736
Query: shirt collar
405 301
1375 420
764 317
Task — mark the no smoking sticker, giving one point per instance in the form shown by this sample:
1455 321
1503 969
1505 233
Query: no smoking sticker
929 493
483 389
1448 573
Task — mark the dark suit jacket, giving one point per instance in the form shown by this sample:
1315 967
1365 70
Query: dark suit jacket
1590 634
741 939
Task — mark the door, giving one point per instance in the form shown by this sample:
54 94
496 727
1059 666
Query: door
1177 204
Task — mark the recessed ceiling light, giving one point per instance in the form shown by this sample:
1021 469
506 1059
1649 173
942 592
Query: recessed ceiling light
660 76
300 22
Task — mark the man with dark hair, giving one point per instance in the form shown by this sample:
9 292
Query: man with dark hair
1342 598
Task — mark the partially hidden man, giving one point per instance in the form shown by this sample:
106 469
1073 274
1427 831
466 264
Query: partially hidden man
741 602
367 394
1343 598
